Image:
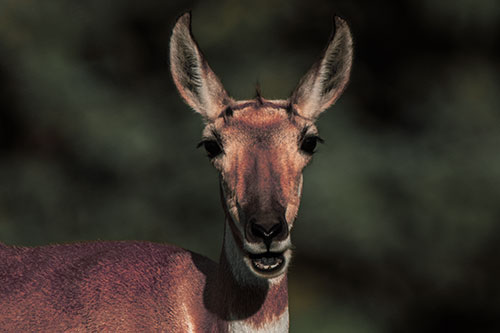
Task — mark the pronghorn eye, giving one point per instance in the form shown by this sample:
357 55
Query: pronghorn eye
212 147
309 143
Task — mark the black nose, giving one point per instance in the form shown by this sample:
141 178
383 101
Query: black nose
266 231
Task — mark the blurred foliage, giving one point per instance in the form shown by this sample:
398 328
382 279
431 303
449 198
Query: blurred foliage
398 229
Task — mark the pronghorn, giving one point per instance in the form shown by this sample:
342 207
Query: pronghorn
260 148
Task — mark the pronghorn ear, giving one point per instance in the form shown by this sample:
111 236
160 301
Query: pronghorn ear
327 78
196 82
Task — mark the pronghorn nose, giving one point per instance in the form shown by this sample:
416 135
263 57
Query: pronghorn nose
266 232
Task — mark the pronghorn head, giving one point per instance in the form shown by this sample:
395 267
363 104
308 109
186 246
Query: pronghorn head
260 147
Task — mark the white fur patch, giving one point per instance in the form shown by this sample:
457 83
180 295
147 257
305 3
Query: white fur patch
189 320
279 325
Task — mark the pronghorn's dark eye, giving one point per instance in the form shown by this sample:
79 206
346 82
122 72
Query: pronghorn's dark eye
212 147
309 143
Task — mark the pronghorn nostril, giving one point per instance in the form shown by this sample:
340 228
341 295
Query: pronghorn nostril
276 229
266 232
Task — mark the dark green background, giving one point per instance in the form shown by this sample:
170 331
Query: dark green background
399 225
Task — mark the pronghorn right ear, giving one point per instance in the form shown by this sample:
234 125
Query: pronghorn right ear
328 77
196 82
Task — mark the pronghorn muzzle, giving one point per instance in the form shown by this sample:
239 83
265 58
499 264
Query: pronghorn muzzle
266 230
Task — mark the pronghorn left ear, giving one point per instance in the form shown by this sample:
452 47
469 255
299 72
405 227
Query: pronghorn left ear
326 80
196 82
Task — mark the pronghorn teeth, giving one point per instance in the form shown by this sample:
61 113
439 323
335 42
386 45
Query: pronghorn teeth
267 262
266 267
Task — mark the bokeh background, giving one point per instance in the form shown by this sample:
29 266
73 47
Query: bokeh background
399 224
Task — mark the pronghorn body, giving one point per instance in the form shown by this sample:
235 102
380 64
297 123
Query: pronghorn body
260 148
125 287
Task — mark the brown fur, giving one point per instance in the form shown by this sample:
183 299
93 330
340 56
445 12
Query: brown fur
123 286
265 159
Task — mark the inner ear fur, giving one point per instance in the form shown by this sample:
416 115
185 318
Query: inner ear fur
325 81
195 80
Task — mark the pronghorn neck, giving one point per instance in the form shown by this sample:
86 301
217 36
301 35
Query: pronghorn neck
249 303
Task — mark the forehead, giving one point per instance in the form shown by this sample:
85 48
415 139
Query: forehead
258 120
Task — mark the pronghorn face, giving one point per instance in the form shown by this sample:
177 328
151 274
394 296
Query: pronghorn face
260 151
260 147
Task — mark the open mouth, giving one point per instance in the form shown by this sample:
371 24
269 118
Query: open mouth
267 262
